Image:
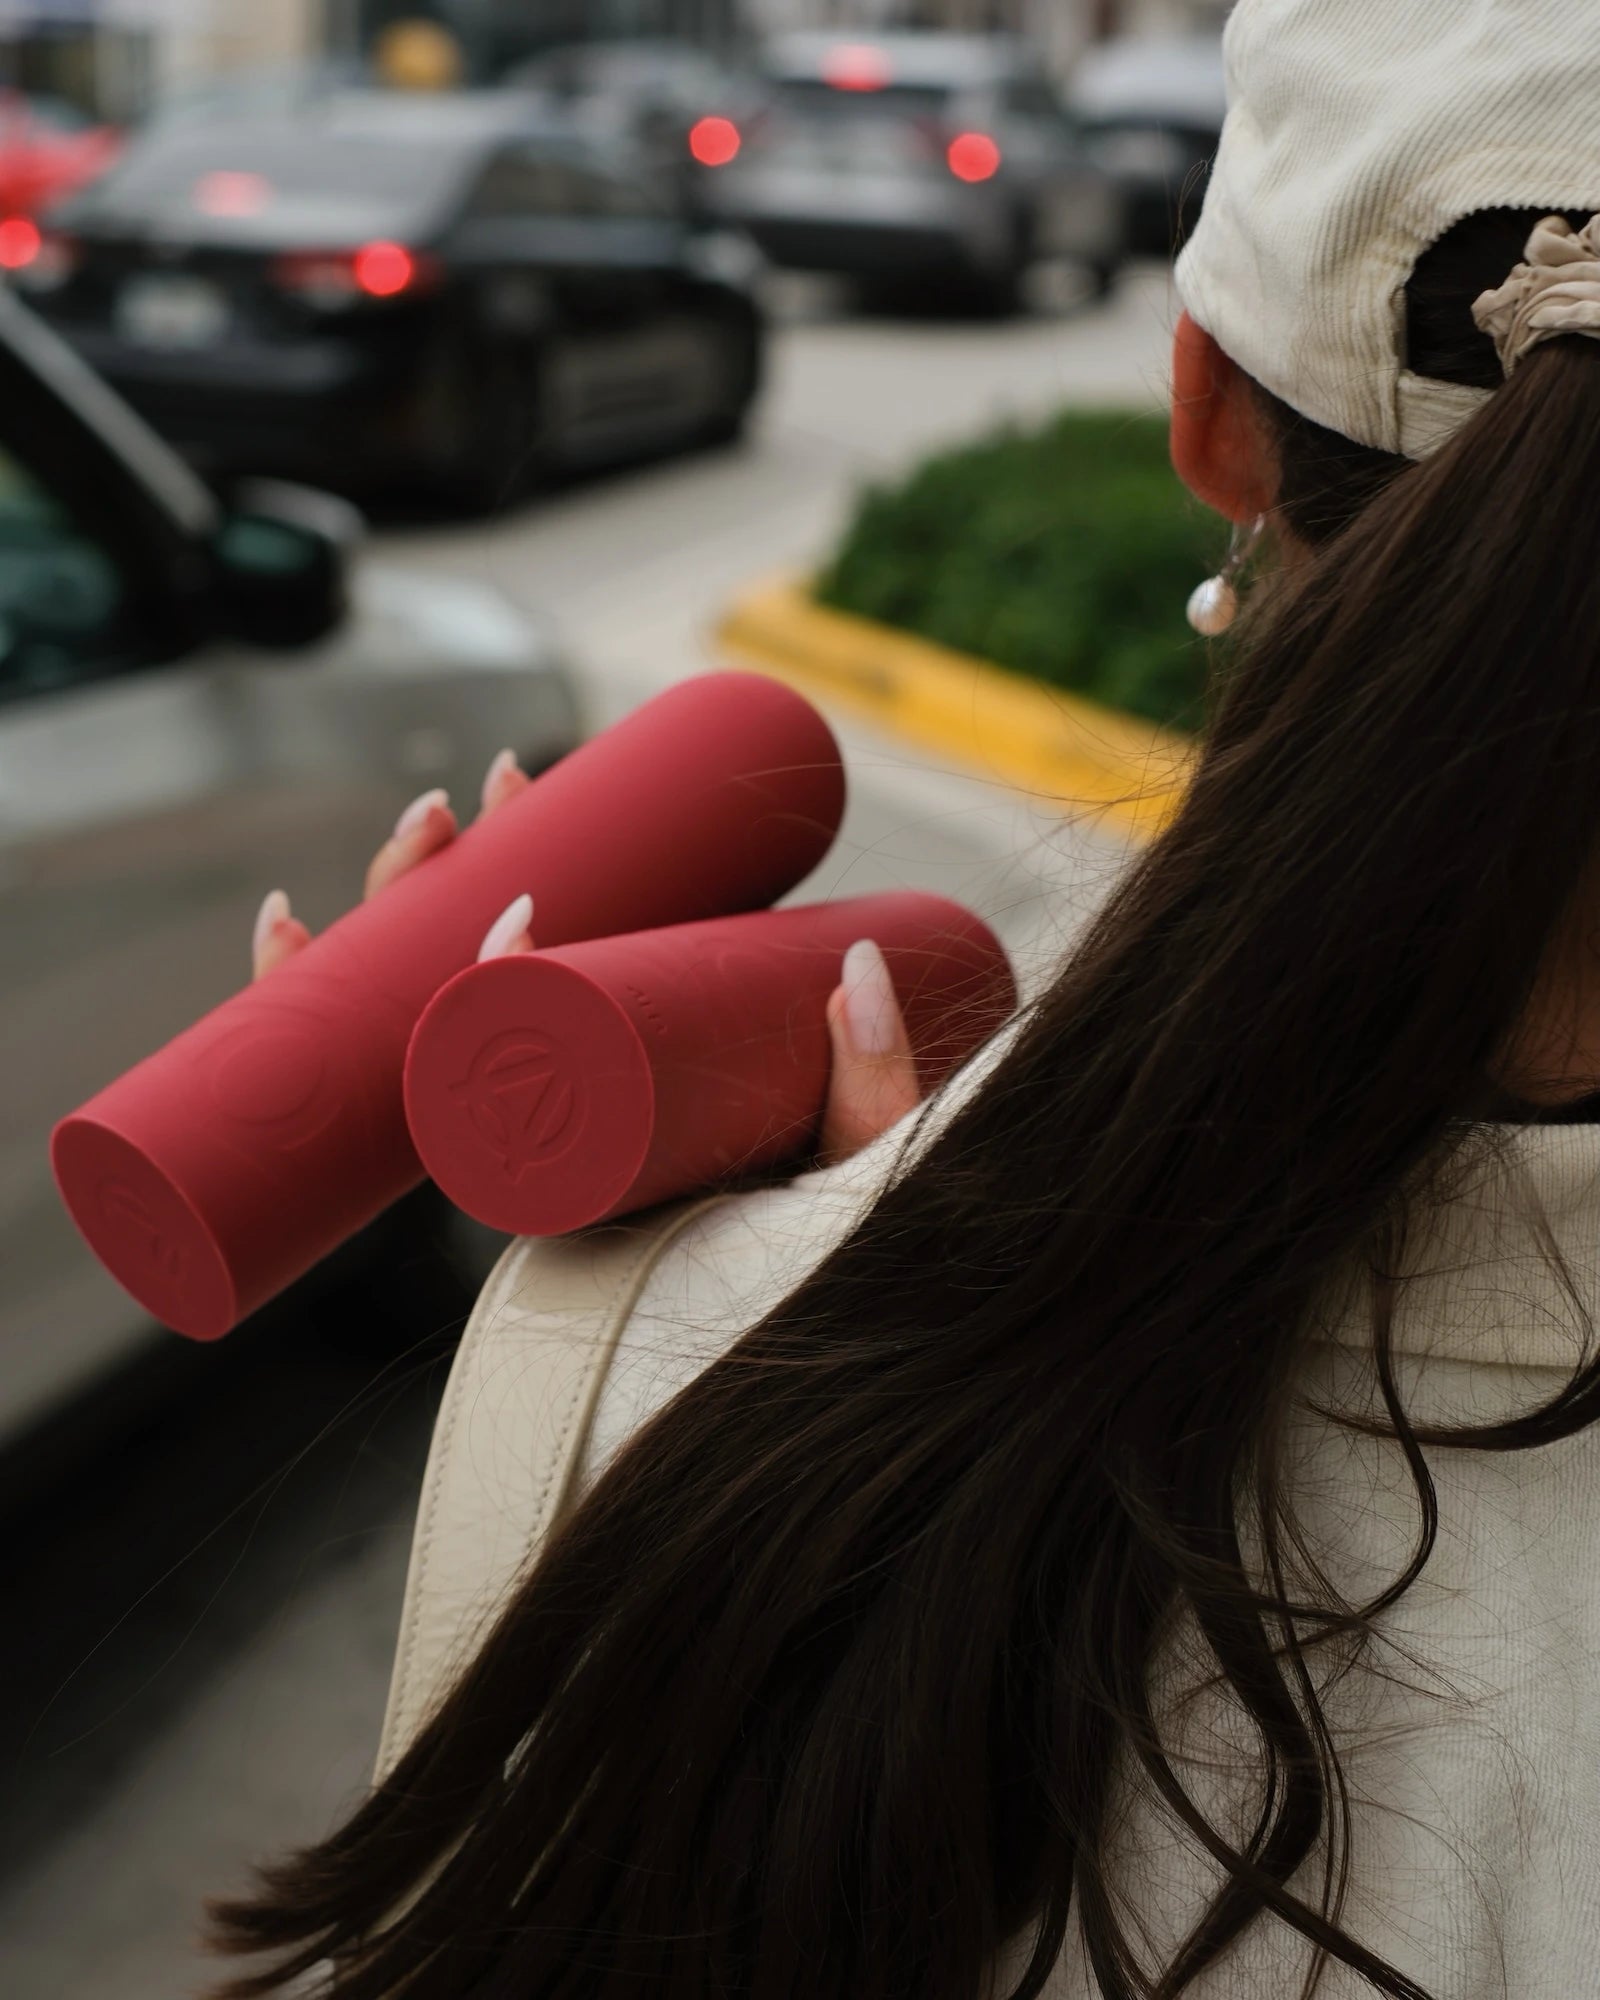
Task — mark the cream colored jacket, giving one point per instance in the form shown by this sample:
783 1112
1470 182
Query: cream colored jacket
1473 1755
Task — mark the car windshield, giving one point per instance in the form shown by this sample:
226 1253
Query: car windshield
375 183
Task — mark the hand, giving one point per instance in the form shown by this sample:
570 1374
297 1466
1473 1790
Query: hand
873 1083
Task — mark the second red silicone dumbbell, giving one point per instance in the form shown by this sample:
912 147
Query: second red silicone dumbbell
552 1090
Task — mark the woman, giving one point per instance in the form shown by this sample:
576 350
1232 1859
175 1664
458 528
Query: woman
1153 1546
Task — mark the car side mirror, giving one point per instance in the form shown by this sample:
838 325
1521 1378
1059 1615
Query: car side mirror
280 563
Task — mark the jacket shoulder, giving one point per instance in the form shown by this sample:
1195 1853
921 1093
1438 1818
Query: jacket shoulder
509 1438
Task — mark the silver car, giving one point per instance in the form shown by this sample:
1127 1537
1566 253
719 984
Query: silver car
199 701
922 157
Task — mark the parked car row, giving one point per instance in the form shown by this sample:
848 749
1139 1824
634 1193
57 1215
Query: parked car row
940 157
847 151
375 286
473 288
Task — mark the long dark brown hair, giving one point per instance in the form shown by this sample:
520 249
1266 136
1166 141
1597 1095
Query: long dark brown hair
829 1686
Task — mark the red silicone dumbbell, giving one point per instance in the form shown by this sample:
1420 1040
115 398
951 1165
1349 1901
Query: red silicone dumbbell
560 1088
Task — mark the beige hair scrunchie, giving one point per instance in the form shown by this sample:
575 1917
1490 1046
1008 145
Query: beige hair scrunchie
1557 291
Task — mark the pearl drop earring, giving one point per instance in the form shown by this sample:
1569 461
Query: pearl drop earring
1215 604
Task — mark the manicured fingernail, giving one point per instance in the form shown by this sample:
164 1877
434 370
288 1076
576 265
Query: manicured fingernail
507 931
869 999
274 911
499 771
415 814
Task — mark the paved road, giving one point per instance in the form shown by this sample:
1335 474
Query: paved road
234 1707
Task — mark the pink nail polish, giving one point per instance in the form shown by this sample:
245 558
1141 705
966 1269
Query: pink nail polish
415 814
869 999
274 911
508 929
499 770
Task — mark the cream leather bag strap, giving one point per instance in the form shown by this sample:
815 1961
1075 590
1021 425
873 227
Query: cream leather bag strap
509 1442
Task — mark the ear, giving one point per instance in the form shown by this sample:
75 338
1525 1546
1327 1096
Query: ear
1219 446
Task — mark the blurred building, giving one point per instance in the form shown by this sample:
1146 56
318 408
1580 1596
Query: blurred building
1062 26
496 33
116 57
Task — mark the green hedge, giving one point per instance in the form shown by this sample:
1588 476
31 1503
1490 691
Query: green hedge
1066 553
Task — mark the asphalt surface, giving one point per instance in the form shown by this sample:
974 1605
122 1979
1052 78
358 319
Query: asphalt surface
203 1569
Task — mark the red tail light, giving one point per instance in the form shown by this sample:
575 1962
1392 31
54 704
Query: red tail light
384 270
973 156
20 242
329 279
715 142
53 262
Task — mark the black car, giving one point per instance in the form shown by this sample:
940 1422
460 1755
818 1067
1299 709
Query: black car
374 285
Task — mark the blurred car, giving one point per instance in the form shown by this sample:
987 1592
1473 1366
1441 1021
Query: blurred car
653 95
927 156
47 149
1152 110
257 90
395 285
201 698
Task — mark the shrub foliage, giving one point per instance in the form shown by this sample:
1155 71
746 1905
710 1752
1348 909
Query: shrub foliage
1067 553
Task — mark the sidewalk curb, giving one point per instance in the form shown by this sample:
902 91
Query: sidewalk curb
1067 752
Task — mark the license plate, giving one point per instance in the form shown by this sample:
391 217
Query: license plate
859 146
871 152
168 309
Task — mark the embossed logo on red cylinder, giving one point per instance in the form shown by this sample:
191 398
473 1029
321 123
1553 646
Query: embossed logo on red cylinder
525 1099
136 1223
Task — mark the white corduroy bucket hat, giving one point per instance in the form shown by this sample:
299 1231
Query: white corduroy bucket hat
1358 133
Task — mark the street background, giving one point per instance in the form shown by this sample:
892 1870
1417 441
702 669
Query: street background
244 1721
202 1582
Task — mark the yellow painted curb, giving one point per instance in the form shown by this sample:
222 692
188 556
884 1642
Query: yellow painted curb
1069 753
